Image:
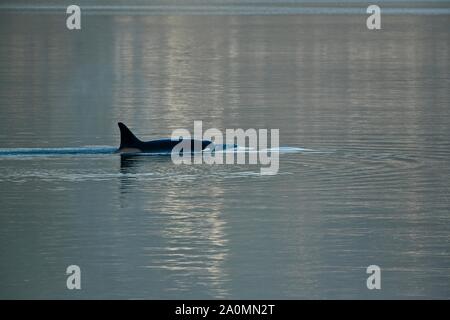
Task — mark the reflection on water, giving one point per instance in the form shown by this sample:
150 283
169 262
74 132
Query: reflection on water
193 238
370 186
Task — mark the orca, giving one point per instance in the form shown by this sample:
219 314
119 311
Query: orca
129 143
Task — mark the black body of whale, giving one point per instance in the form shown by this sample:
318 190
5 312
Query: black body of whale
129 143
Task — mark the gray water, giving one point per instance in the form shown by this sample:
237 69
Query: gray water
374 105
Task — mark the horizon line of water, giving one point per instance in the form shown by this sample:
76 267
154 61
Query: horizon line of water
221 9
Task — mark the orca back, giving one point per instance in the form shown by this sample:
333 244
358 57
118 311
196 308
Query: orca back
130 143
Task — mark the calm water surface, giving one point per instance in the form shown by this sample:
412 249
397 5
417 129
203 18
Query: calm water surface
375 104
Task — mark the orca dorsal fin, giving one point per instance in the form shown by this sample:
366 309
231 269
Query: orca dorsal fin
127 138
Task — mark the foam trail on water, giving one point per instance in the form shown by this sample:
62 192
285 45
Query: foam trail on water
23 152
279 150
97 150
